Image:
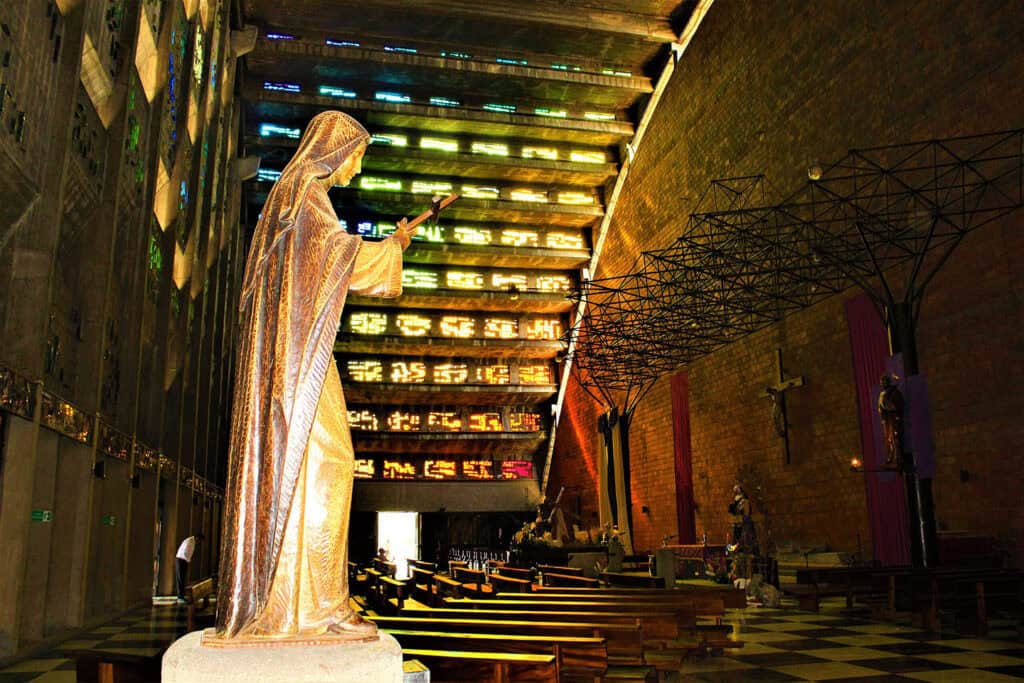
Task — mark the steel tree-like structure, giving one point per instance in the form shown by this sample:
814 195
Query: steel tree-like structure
883 218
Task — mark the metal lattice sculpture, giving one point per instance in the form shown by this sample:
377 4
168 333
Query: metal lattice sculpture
884 218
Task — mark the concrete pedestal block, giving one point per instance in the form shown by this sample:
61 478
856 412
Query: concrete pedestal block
378 661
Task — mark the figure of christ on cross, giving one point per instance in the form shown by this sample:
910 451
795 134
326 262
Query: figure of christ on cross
776 393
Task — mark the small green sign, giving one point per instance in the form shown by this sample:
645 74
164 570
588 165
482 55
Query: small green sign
42 516
109 520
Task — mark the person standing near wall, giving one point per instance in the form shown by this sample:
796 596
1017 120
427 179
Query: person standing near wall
181 561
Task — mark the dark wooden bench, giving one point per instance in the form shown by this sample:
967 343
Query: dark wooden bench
560 569
732 597
393 594
474 581
513 572
574 655
509 584
420 564
485 667
445 587
198 597
99 666
421 585
623 641
554 579
638 580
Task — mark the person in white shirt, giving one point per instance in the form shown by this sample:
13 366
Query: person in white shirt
181 561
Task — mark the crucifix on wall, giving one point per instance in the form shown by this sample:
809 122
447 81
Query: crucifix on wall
776 393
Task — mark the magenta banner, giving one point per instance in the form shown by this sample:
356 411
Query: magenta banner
886 493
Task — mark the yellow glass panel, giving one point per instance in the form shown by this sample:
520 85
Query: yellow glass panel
492 374
459 326
575 198
441 144
423 279
480 192
536 374
478 469
431 187
462 279
519 238
401 421
364 420
451 373
527 195
467 235
439 469
503 280
366 370
544 329
549 153
490 148
444 422
587 157
564 240
485 422
501 328
524 422
412 325
368 323
365 469
408 372
399 469
553 283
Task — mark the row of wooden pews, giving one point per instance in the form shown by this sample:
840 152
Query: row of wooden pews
965 591
474 625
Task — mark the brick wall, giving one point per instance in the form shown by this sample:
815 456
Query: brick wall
770 88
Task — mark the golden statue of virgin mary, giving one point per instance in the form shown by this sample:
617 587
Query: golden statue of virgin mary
284 569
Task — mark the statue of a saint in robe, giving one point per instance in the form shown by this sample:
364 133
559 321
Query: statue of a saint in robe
284 569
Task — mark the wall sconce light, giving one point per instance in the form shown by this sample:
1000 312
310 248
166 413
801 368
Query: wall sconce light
814 171
644 509
513 293
856 464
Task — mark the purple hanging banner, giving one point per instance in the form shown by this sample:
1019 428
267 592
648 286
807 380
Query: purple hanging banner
885 491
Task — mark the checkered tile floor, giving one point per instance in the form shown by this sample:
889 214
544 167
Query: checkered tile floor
147 631
780 645
788 645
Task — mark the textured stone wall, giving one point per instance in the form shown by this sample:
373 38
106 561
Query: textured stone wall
770 88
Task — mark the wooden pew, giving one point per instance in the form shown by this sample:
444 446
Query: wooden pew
452 564
574 655
197 598
623 641
731 597
485 667
553 579
653 625
513 572
474 581
508 584
393 594
445 587
558 569
421 585
633 580
114 667
420 564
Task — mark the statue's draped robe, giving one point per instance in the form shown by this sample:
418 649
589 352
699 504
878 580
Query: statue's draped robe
284 551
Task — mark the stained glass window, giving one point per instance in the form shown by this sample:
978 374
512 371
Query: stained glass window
564 240
546 329
363 420
459 279
492 374
485 422
516 469
505 280
366 370
439 469
366 322
399 469
478 469
413 325
401 421
467 235
536 374
511 237
524 422
440 421
408 372
460 326
501 328
365 468
553 283
451 373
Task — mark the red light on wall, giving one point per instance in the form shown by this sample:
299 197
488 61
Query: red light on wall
516 469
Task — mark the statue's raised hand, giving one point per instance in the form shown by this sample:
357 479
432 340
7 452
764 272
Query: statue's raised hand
404 232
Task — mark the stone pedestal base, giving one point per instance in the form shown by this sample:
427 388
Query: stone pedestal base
379 661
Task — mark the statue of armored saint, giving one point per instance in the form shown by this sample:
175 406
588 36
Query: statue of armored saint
890 409
283 575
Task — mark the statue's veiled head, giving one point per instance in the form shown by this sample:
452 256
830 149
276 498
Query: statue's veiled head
330 139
